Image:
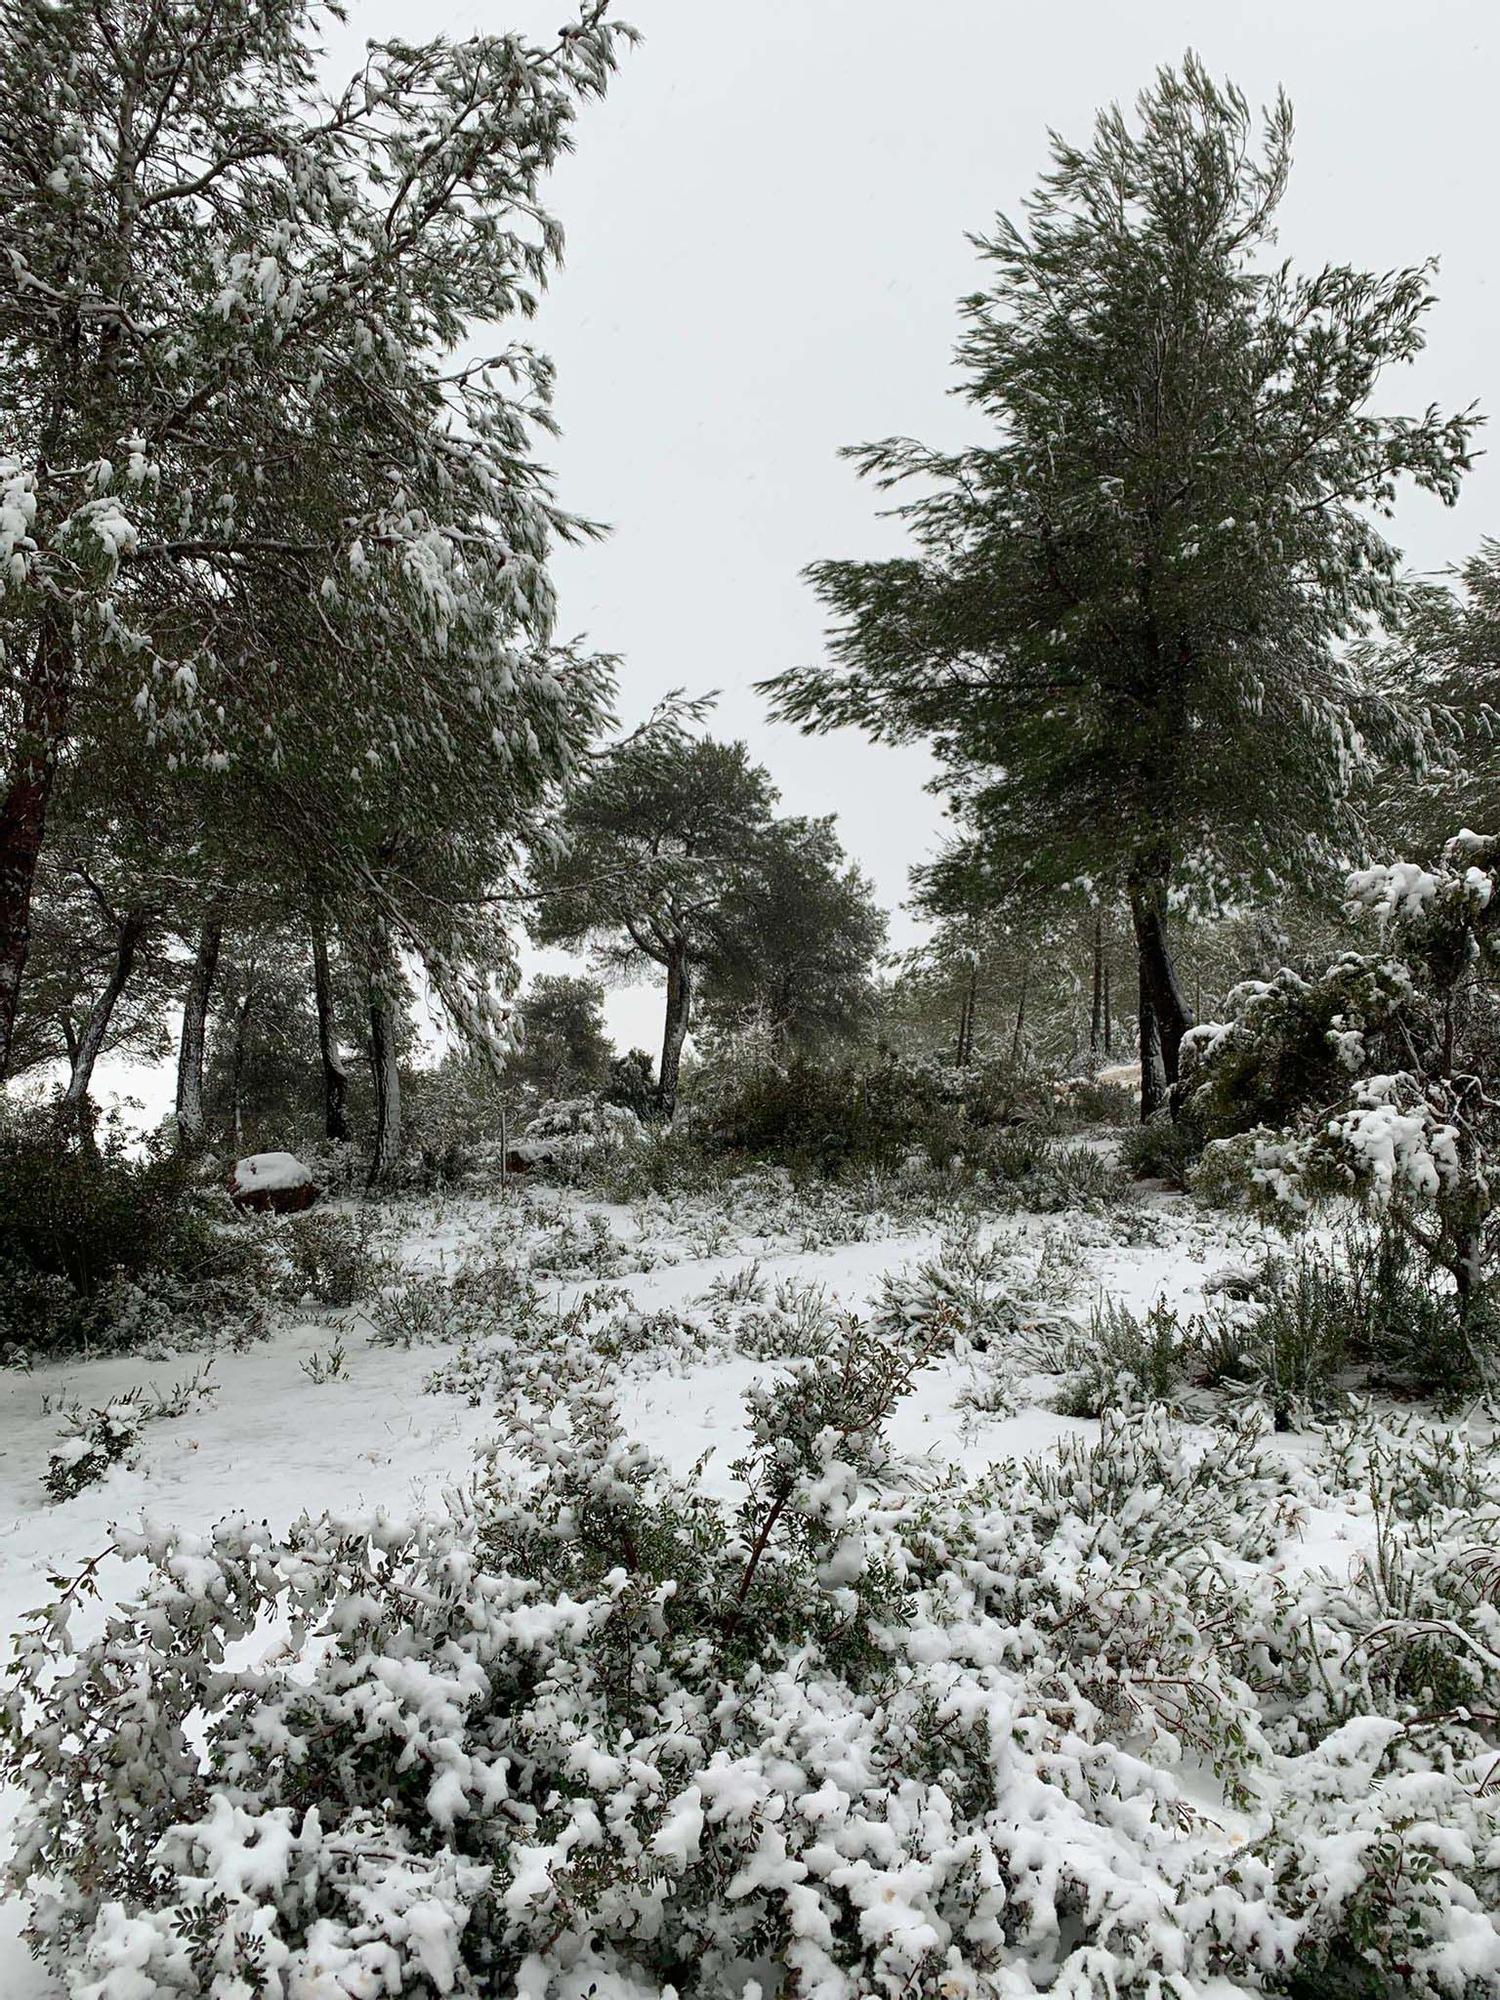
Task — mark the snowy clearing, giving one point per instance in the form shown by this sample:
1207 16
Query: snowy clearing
272 1439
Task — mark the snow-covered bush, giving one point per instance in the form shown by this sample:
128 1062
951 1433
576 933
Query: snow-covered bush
1026 1168
1363 1315
1315 1329
420 1311
92 1442
1073 1730
1164 1149
1376 1072
567 1131
1123 1360
976 1294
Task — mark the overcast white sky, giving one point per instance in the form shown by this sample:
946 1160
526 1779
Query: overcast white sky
766 239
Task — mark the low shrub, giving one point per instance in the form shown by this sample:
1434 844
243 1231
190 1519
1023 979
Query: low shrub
1032 1170
331 1257
100 1248
1163 1149
1123 1361
833 1119
419 1312
595 1726
1085 1101
94 1440
1319 1327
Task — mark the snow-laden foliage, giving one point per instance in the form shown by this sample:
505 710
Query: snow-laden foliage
1076 1728
1373 1077
253 513
564 1131
94 1440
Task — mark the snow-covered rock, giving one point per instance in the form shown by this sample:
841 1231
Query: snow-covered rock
276 1181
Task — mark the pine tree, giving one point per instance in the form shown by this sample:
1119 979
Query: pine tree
566 1049
1446 653
1123 627
802 932
659 837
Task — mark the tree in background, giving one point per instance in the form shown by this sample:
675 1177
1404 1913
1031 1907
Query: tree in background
661 837
262 1072
1123 629
802 934
1446 654
631 1083
986 988
103 973
566 1050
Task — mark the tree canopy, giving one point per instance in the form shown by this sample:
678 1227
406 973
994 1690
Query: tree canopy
1124 625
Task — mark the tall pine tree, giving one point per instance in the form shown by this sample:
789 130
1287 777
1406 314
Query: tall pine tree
1123 627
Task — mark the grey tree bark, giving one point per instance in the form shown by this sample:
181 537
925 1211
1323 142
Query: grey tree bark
85 1048
241 1037
335 1076
194 1034
1170 1015
679 1016
1017 1040
1154 1084
386 1154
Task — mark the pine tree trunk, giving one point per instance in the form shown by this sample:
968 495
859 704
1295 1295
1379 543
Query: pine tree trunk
965 1051
383 1065
1109 1022
1154 1087
679 1014
1097 1008
23 821
241 1036
1016 1038
85 1047
1169 1012
194 1035
335 1076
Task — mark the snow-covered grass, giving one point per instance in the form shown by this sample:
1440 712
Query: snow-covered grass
683 1307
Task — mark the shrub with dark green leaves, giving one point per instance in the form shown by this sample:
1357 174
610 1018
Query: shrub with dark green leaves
831 1117
332 1257
631 1083
1164 1149
99 1247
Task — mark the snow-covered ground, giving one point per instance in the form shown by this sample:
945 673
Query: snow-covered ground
274 1440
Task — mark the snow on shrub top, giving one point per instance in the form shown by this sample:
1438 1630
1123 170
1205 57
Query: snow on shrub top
1070 1730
